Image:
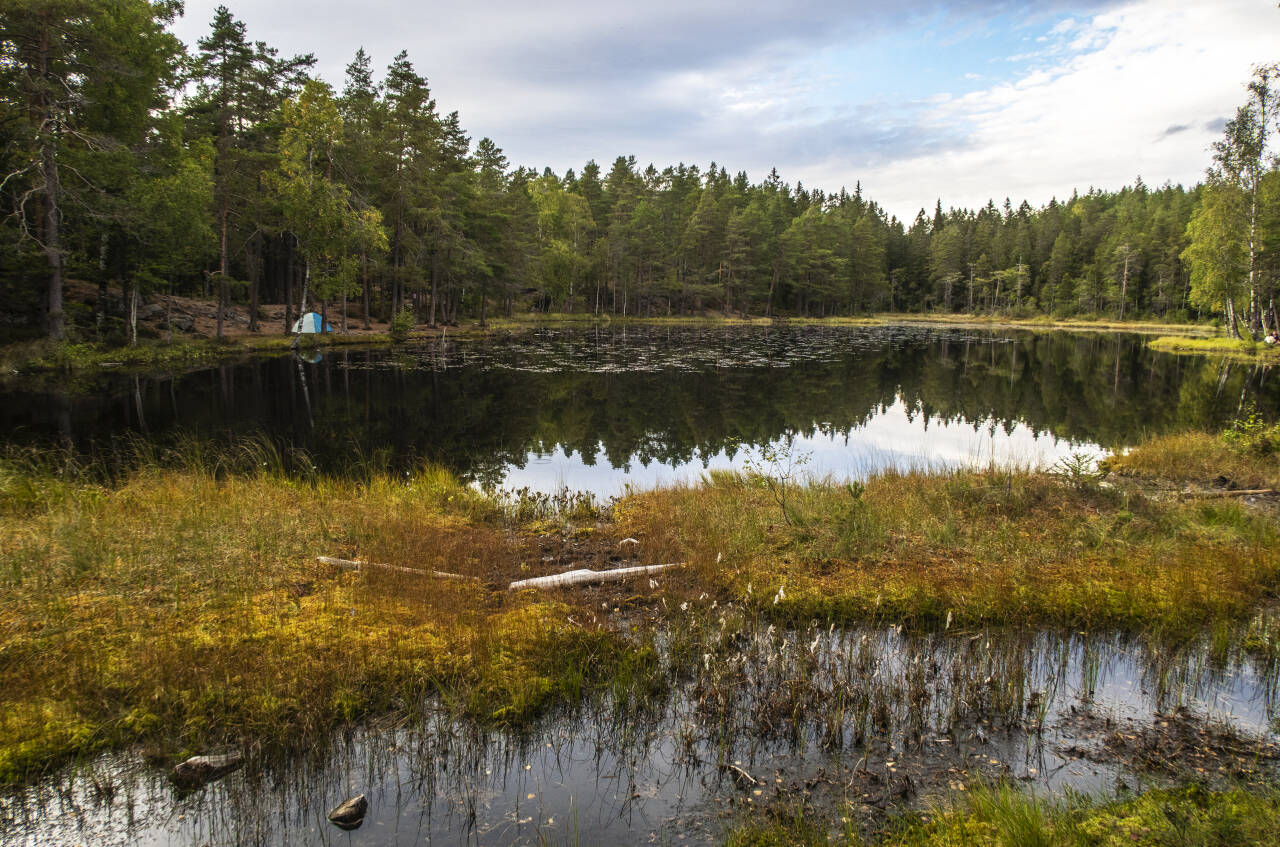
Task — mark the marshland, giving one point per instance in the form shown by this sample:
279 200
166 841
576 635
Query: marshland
932 584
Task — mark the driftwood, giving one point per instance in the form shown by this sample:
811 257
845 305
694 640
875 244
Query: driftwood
350 565
585 576
1239 492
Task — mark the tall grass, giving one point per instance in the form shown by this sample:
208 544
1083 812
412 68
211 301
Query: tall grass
965 548
184 608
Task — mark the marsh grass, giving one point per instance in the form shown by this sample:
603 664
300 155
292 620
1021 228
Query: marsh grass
1238 347
965 548
1000 815
183 608
1246 455
170 598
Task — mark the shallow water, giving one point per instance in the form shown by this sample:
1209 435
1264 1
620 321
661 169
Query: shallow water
944 710
600 409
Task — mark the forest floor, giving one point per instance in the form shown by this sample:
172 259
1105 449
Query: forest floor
179 607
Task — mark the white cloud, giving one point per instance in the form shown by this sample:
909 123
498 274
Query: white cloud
1097 118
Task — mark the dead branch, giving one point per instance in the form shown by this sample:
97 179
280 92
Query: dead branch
351 565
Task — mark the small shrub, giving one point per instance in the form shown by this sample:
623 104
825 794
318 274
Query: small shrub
400 326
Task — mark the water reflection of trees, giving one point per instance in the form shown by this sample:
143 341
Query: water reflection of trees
477 418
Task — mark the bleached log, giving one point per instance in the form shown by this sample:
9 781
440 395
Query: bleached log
585 576
350 565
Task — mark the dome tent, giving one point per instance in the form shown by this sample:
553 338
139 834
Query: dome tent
311 322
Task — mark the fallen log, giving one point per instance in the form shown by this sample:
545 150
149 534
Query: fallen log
586 576
1239 492
351 565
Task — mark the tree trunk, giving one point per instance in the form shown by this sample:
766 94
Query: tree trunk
52 247
255 277
222 265
364 274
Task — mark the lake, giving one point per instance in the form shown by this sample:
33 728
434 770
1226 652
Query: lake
604 408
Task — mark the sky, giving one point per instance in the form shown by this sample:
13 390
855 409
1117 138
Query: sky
918 100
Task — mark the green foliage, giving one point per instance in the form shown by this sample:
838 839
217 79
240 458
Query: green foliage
1253 435
378 194
401 325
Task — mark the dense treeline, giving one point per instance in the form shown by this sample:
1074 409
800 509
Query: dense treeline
227 170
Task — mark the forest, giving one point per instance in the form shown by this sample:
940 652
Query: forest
134 166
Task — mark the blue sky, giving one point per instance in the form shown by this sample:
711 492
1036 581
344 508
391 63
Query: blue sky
963 100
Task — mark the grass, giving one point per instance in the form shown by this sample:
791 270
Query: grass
1247 455
1003 816
1222 344
965 548
182 609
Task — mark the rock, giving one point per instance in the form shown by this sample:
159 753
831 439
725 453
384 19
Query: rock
350 814
199 770
184 324
149 311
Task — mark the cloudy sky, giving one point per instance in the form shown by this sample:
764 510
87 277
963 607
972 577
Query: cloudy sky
962 100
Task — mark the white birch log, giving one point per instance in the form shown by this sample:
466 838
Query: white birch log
350 565
585 576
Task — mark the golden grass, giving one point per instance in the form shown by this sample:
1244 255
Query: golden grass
1246 458
182 610
966 548
1234 347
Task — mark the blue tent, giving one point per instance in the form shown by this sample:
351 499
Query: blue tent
311 322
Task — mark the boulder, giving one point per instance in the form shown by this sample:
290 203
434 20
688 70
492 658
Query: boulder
184 324
199 770
350 814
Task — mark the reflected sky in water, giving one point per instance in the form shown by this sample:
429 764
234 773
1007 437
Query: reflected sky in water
893 439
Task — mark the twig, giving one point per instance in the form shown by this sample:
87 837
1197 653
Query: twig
348 564
739 775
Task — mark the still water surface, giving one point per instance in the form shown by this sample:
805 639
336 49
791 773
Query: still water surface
600 409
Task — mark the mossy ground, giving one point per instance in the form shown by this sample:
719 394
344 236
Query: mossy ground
1003 816
184 609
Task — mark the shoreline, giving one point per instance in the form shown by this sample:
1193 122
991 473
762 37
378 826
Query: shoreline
35 358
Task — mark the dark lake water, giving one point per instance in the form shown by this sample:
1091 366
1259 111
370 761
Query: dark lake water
598 409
